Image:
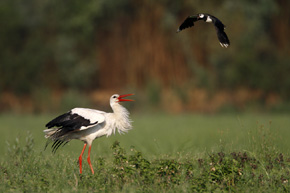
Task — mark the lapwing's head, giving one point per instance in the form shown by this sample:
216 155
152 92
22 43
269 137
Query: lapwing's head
201 16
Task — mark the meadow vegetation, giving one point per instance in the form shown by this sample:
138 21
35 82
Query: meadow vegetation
237 153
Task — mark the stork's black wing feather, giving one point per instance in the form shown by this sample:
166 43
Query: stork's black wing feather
69 121
188 22
56 144
58 121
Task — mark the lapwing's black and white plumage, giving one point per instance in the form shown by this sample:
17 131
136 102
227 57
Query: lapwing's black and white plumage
87 125
219 26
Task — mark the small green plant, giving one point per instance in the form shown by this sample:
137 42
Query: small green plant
16 150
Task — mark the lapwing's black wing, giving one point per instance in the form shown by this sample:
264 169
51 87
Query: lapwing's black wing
222 36
188 22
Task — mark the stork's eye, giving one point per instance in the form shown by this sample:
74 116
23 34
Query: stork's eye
114 96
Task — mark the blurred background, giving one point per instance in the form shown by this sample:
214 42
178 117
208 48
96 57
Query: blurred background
56 55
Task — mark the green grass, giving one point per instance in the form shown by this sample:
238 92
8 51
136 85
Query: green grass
186 152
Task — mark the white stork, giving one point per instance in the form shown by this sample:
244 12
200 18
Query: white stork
88 124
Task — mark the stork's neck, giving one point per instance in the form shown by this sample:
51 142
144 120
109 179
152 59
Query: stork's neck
120 118
117 108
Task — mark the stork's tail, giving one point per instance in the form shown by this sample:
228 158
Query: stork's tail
54 135
49 132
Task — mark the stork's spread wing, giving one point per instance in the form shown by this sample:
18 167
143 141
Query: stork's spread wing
188 22
73 121
77 119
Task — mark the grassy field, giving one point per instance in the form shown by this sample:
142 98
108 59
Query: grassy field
185 152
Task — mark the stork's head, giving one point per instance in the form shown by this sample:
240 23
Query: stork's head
119 98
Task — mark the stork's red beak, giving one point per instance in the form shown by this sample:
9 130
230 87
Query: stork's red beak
125 95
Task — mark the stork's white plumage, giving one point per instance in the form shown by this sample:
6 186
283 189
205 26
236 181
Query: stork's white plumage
88 124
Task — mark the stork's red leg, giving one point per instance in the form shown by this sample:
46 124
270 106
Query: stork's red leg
89 159
80 158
